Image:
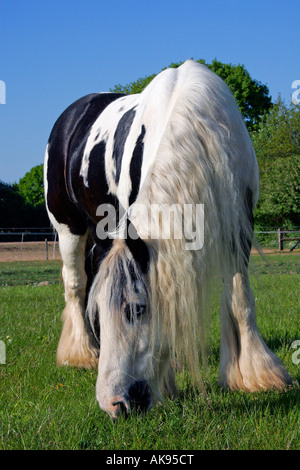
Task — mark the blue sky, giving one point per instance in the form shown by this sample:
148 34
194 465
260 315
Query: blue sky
55 51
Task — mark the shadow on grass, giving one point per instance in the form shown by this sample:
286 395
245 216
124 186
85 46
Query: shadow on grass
218 400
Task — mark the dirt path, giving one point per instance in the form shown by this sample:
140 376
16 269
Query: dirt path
28 251
37 251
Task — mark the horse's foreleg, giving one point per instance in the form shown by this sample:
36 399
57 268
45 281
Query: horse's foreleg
246 361
74 347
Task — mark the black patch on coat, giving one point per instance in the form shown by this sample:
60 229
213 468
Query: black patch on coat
65 152
97 183
120 137
245 241
138 247
136 166
245 238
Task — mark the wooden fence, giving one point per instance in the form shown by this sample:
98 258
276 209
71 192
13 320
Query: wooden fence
46 236
282 238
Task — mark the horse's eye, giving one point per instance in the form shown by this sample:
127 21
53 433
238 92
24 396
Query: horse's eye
140 309
134 310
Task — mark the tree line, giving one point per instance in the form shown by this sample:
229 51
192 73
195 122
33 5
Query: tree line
274 128
23 204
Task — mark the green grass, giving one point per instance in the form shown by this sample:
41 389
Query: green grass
46 407
23 273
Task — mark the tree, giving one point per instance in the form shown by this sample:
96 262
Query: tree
31 186
277 146
133 87
279 200
278 134
11 206
16 212
252 97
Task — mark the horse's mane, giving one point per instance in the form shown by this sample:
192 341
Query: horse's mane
195 164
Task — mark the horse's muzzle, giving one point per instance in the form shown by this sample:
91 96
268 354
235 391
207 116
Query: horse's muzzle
137 399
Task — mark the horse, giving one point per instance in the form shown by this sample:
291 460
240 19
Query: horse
137 295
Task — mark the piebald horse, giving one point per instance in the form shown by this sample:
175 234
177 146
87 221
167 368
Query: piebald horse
138 295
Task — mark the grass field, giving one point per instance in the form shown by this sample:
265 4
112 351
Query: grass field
46 407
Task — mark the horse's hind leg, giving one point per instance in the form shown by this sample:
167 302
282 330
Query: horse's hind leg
246 361
74 347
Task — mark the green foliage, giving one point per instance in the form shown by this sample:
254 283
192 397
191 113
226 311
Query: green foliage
279 201
278 134
133 87
252 96
15 211
23 204
11 205
31 186
277 145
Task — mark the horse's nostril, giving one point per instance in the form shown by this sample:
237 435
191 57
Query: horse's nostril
117 407
139 396
121 405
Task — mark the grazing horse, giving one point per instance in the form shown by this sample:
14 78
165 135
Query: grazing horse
137 294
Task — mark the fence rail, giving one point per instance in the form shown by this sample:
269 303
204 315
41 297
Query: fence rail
48 236
26 235
282 239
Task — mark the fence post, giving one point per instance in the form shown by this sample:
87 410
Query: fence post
53 254
280 237
46 241
22 246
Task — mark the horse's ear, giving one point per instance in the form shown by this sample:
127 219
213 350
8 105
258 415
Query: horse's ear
138 247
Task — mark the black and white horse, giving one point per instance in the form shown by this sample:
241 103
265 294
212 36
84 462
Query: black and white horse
119 170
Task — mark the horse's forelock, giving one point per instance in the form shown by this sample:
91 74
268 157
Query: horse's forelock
116 284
